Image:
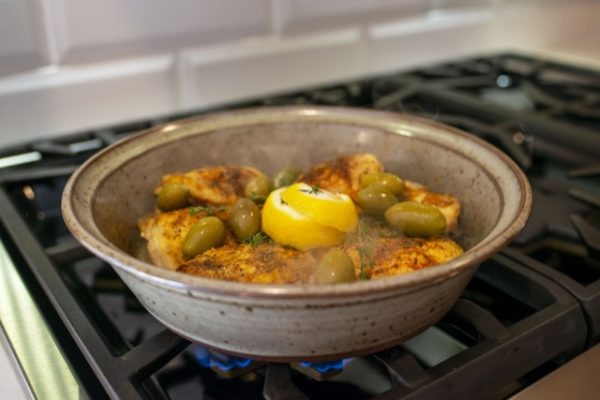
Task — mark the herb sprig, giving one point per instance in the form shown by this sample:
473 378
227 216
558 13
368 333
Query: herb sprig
209 210
256 239
314 189
365 244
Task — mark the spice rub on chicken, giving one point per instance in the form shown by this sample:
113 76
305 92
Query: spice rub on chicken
260 263
213 185
344 175
166 231
379 251
271 263
306 232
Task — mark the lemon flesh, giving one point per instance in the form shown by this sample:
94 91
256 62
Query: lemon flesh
288 226
325 208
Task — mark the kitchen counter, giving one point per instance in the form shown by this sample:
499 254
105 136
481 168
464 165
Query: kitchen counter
578 379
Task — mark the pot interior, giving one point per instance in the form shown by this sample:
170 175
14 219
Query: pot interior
126 191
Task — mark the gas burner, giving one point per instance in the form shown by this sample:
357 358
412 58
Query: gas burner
589 230
586 171
352 94
390 94
584 196
588 225
564 229
550 215
578 103
570 258
321 371
443 71
225 366
506 137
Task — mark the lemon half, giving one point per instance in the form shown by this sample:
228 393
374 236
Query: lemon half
325 208
287 225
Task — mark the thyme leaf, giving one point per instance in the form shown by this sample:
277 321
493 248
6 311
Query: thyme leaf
363 240
256 239
196 209
363 275
210 210
314 189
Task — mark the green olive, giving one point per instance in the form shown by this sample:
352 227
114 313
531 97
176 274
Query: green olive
335 267
286 177
413 219
374 200
388 181
245 219
206 233
259 186
172 196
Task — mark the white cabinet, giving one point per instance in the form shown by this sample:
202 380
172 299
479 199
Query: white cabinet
304 15
77 98
226 73
434 37
22 40
108 61
91 30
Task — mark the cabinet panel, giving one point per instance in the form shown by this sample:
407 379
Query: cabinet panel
305 15
435 38
93 30
71 99
228 73
22 44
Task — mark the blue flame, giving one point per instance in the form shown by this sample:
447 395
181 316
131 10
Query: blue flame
209 359
326 366
220 361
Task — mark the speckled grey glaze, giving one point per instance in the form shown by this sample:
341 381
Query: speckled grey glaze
105 197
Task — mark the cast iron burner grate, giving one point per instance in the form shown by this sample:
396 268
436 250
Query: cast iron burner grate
525 312
525 106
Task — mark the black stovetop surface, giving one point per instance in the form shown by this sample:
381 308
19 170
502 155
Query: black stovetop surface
527 310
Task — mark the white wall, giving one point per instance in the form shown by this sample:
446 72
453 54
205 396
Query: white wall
69 65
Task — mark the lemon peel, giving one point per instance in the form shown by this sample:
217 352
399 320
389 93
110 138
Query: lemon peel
324 207
288 226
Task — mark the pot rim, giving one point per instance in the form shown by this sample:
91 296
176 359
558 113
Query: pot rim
77 200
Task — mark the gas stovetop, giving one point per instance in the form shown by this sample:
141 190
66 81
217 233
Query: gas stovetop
526 312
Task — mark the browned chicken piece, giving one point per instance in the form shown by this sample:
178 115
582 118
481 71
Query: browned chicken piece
262 263
399 255
382 252
272 263
165 232
214 185
343 174
446 203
